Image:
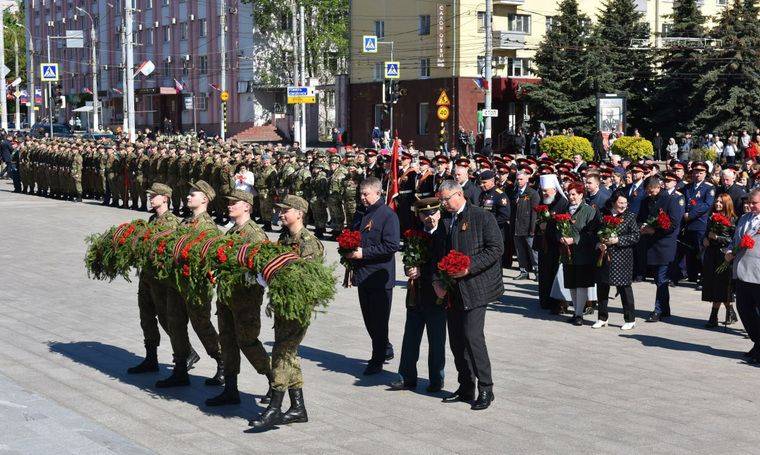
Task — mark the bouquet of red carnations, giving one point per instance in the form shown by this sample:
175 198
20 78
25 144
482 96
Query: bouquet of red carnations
661 221
564 225
746 243
348 242
609 230
416 253
542 211
453 263
719 224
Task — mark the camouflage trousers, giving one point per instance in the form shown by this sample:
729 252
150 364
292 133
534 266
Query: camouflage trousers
286 368
239 328
318 211
265 206
178 312
137 191
151 300
337 216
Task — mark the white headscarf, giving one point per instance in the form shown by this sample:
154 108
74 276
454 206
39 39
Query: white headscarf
551 181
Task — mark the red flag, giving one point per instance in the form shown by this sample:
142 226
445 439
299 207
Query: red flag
392 191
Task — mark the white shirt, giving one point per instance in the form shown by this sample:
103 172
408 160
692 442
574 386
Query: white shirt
244 181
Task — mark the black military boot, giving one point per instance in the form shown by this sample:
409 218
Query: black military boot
229 395
731 315
218 377
272 415
192 359
268 397
149 365
713 321
178 378
297 411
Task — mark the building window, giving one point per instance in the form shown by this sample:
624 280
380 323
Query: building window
425 67
549 22
202 101
423 114
166 2
519 67
481 21
167 68
203 64
379 109
183 28
167 33
149 36
380 29
424 28
519 23
148 4
667 29
203 28
378 71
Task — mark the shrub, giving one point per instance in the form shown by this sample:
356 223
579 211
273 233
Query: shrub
564 147
632 147
704 154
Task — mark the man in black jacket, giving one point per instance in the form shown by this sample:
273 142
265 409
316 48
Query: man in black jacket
474 232
524 200
375 268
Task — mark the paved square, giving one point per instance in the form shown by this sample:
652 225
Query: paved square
66 341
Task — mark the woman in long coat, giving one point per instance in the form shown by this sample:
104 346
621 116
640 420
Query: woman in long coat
717 287
617 261
579 268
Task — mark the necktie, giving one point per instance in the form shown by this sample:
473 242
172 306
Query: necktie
453 223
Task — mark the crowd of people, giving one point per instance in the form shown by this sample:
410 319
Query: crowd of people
577 228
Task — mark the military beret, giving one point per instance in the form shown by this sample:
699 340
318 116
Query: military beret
240 195
427 205
160 188
486 175
204 188
294 202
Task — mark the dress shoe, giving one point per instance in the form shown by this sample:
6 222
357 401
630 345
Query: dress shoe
373 368
654 317
434 388
458 396
578 321
628 326
389 352
401 385
485 397
522 276
599 324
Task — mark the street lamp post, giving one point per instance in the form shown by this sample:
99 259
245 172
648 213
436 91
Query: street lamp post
94 62
30 75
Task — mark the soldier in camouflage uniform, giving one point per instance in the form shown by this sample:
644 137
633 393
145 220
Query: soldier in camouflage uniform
264 179
152 292
335 195
288 334
319 187
178 310
141 175
239 317
76 174
351 191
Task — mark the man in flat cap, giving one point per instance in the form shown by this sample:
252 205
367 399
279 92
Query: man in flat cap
178 310
422 311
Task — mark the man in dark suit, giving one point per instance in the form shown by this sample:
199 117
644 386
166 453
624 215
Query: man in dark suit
474 232
596 195
636 193
730 187
524 200
658 243
375 268
462 176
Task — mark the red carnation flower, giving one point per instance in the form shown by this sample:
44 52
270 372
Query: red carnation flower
663 220
747 242
562 217
161 247
349 240
693 202
541 208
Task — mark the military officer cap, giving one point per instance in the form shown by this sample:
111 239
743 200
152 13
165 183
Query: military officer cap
635 167
427 206
424 160
160 188
699 166
507 158
678 165
294 202
371 152
464 162
406 156
204 188
671 176
503 168
442 159
361 152
334 159
486 175
485 165
526 169
240 195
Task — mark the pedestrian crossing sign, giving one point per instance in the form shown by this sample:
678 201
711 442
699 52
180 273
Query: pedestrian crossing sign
49 72
392 70
369 44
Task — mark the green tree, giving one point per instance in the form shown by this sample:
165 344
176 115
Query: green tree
327 39
17 33
630 71
566 95
680 65
728 89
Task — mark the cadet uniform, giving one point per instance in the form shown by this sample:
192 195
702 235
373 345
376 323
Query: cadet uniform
151 292
699 198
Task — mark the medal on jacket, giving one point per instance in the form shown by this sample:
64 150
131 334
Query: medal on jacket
368 226
464 226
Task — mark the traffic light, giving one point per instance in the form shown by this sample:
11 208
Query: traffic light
392 92
442 138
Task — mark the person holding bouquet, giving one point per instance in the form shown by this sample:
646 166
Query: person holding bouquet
423 313
716 285
474 234
577 237
617 238
660 218
744 253
374 268
553 201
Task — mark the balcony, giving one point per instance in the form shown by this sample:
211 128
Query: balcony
509 2
508 40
